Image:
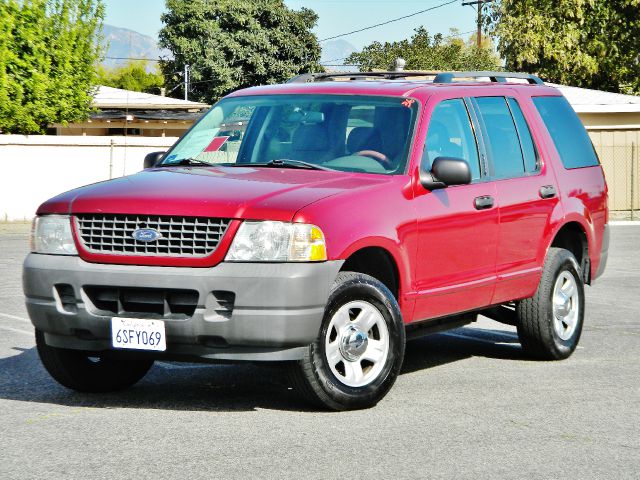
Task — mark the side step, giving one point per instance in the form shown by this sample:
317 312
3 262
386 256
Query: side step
429 327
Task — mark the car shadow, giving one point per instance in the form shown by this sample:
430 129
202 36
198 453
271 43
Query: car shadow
234 387
459 344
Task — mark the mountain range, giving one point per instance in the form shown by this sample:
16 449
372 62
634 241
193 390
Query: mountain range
123 43
335 52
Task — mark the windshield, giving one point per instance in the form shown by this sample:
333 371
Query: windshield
339 132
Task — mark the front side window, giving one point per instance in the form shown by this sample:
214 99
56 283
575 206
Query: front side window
340 132
450 135
502 141
569 136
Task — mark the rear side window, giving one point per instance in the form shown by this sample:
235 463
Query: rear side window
502 137
529 152
450 135
569 136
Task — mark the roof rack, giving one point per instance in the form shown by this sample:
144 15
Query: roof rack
438 77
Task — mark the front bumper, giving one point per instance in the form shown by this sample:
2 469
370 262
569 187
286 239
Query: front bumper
276 312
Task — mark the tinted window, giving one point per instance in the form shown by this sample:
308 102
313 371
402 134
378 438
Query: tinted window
528 148
569 136
503 144
450 135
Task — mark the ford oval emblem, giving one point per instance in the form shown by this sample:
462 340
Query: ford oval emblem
146 235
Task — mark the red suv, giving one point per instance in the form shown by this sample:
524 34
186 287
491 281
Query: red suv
322 222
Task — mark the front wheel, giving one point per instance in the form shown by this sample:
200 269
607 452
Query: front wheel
550 322
359 350
88 372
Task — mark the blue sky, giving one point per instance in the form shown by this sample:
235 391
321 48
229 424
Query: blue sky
336 16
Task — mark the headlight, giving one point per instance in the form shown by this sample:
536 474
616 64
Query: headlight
52 234
277 242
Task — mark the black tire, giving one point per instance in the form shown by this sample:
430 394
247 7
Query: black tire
87 372
536 330
312 376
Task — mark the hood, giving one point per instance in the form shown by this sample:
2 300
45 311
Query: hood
226 192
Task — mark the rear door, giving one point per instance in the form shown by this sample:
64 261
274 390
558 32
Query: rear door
526 193
457 225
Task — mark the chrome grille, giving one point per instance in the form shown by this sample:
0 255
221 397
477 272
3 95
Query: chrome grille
180 236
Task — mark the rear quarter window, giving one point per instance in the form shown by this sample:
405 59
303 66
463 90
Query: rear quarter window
567 132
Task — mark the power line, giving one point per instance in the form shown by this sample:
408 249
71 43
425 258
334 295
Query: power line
390 21
325 62
134 58
334 59
457 35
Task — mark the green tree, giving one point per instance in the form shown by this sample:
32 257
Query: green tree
425 52
586 43
132 76
47 62
231 44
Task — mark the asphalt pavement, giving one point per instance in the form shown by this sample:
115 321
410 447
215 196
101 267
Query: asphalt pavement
468 404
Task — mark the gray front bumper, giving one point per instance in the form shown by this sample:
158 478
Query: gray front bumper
278 307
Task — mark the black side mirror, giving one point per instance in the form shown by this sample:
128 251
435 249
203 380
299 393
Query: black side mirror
445 172
152 159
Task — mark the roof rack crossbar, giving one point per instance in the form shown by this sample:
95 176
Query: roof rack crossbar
439 77
498 77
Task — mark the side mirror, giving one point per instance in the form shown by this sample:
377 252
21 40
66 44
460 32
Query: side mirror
445 172
152 159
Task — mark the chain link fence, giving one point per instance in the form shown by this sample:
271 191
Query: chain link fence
621 164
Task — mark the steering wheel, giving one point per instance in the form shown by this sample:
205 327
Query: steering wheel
379 157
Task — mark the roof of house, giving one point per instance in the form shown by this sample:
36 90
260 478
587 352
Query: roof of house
584 100
113 98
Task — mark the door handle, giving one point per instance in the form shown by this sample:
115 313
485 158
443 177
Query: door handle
484 202
547 191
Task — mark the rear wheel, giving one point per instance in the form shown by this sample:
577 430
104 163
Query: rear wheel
359 351
89 372
550 322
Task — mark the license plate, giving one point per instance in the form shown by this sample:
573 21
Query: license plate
138 334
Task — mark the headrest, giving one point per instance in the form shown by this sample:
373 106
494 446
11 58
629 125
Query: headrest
363 138
310 137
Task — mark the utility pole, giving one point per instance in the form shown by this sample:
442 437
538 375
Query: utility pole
186 82
479 4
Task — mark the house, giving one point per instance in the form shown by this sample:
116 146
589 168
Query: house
124 112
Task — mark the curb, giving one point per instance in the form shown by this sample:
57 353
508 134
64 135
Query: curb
625 222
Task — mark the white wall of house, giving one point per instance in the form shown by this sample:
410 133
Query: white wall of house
34 168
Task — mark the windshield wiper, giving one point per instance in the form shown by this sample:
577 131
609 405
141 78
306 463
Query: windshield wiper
188 162
278 163
288 163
